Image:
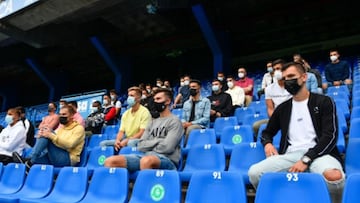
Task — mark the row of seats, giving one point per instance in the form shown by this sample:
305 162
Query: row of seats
75 184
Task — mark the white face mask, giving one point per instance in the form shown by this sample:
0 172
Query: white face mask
230 84
105 102
220 78
182 84
278 74
158 84
333 58
241 75
112 97
215 88
186 82
143 96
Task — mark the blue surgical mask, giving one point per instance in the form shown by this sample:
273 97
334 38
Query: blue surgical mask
215 88
9 119
131 101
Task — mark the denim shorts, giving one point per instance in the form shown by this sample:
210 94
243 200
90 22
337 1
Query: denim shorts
133 161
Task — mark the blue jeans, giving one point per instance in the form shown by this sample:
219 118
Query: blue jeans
45 152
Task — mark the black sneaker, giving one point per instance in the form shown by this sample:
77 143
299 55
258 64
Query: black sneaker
17 158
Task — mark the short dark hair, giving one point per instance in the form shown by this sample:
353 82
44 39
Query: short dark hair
73 103
231 76
298 66
113 91
195 81
21 109
168 93
216 80
278 61
97 102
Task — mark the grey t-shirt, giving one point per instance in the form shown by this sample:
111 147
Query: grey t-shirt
163 136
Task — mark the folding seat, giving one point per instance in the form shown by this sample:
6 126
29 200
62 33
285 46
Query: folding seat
341 88
342 121
243 156
111 131
221 122
343 106
292 187
1 169
153 185
38 184
95 139
70 186
354 128
240 114
276 138
356 102
208 157
108 185
339 95
355 112
352 158
233 135
216 186
250 119
258 106
98 155
178 112
12 178
129 150
199 137
351 189
341 141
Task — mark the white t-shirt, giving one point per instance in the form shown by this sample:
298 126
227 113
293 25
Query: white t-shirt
237 95
277 94
116 103
301 129
267 80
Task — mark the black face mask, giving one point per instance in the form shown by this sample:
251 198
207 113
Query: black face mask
193 92
292 86
63 120
50 109
159 107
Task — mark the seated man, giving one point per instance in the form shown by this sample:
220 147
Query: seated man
247 84
160 142
95 121
221 103
59 148
309 130
237 93
12 137
183 94
196 110
337 72
50 121
133 122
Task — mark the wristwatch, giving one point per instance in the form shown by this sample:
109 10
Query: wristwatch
306 160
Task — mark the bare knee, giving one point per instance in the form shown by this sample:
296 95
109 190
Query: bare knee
149 162
333 175
115 161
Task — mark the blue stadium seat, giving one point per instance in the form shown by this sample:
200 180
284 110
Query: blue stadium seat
70 186
355 112
342 121
292 187
98 155
233 135
351 189
95 139
250 119
354 131
199 137
352 158
276 138
258 106
200 158
355 102
343 106
129 150
216 186
110 131
157 186
12 178
1 169
221 122
178 112
243 156
38 184
240 113
108 185
339 95
341 141
341 88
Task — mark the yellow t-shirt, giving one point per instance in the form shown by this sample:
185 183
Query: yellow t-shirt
131 123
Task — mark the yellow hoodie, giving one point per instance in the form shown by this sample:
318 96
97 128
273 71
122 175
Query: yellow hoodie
72 139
